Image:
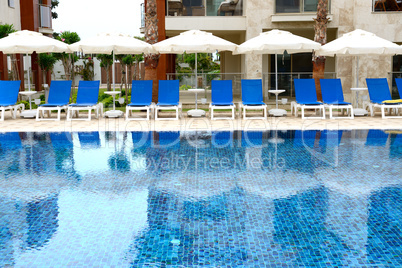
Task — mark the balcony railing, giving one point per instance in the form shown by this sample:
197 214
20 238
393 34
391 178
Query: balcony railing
45 16
297 6
204 7
285 81
387 5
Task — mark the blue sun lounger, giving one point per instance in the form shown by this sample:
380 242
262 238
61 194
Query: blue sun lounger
8 98
379 92
141 99
306 98
332 96
398 82
252 99
222 98
168 98
59 97
87 99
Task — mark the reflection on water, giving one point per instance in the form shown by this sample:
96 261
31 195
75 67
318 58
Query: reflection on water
297 198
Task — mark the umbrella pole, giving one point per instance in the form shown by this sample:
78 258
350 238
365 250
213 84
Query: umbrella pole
276 71
29 81
276 78
357 71
196 80
114 86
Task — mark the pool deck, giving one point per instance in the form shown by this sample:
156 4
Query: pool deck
198 124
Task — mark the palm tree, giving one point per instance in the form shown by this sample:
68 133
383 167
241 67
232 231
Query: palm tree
46 63
151 37
106 61
68 60
320 29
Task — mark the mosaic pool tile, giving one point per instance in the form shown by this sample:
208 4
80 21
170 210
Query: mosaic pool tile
201 199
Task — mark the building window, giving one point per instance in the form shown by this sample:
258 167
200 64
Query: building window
11 3
45 16
387 5
297 6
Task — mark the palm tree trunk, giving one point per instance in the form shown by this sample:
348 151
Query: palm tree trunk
320 29
151 37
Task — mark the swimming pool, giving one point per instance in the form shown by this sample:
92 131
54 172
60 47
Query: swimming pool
201 199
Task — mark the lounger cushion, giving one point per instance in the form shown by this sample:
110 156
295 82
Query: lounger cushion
339 103
167 104
82 104
253 103
54 104
7 104
139 104
310 103
222 103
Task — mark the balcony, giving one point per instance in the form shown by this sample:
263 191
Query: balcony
204 7
45 19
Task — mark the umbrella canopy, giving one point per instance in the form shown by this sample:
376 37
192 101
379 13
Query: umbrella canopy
106 43
27 42
359 42
194 41
277 42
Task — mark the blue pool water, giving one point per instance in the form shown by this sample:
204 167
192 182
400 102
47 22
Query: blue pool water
201 199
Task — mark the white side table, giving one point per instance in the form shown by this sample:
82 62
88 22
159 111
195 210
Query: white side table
196 112
277 112
28 113
114 112
359 111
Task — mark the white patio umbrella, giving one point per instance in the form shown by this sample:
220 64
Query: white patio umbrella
356 43
277 42
106 43
27 42
194 41
112 43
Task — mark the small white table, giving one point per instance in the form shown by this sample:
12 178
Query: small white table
358 111
196 112
114 112
277 112
28 113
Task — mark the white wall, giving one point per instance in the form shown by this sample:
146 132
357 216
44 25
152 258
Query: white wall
58 71
10 15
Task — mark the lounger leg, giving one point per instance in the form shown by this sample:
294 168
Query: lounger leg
382 112
302 111
330 113
2 114
233 115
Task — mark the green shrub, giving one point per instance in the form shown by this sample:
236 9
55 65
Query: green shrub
185 87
